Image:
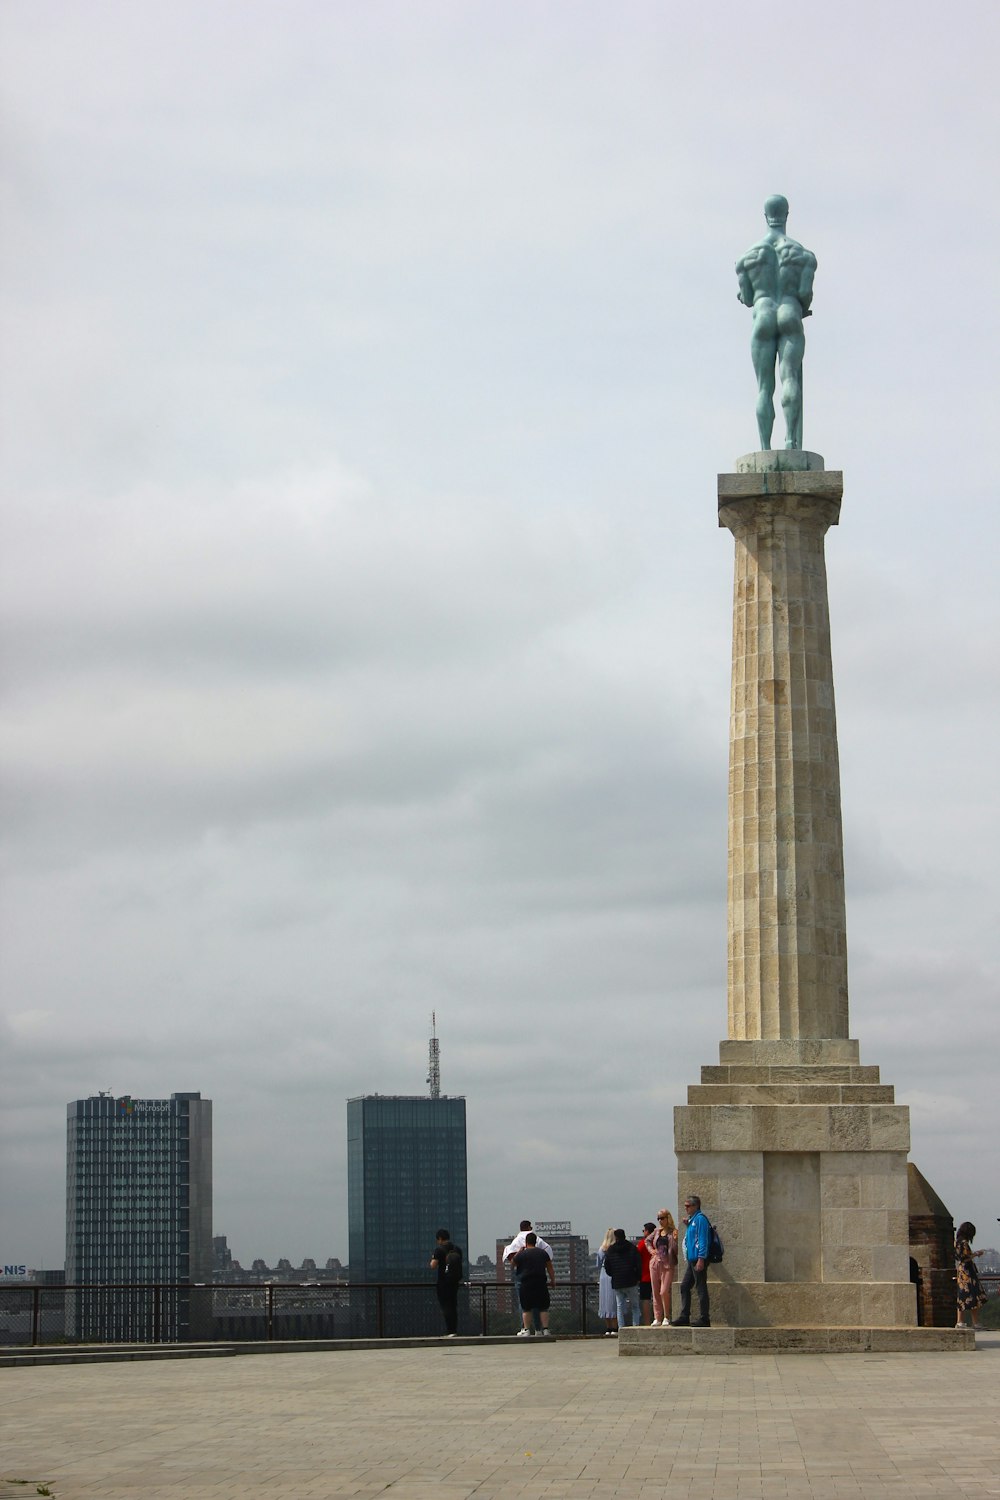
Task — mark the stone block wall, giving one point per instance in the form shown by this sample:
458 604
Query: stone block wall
932 1246
803 1169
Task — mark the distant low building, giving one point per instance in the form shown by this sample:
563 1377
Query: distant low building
229 1272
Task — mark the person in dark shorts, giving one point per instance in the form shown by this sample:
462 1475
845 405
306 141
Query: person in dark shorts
447 1261
535 1274
516 1244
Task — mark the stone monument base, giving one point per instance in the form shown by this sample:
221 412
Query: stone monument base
798 1153
795 1339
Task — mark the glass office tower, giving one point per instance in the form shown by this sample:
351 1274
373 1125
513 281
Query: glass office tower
138 1209
406 1178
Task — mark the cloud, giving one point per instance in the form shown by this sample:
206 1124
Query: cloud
365 619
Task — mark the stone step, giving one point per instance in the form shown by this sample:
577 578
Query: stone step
763 1126
785 1051
789 1073
791 1093
795 1340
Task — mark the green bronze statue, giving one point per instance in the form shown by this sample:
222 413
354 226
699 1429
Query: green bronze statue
776 281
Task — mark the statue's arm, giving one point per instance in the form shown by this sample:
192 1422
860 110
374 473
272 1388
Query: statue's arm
745 293
806 283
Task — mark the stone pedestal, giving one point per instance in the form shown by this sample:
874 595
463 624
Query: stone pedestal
797 1150
798 1154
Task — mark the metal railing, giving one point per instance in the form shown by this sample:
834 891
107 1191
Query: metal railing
37 1313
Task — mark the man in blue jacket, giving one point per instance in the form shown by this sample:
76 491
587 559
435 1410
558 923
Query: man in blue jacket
696 1242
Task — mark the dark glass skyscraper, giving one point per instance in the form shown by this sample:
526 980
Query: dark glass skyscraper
138 1209
406 1178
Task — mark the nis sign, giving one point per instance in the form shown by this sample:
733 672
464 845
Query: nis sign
15 1271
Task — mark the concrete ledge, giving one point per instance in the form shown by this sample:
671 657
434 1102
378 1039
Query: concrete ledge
790 1093
721 1340
100 1354
109 1354
804 484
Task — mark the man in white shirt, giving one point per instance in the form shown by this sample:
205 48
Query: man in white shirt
516 1244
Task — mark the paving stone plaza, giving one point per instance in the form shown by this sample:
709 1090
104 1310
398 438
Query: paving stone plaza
455 1420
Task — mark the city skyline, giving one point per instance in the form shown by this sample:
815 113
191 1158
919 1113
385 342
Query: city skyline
367 372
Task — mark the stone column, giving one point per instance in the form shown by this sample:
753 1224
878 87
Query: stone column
796 1149
787 921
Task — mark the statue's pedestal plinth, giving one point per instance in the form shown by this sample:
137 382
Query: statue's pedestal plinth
798 1154
796 1340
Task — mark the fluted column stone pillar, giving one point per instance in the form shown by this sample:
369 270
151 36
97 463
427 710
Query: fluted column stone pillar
787 961
796 1149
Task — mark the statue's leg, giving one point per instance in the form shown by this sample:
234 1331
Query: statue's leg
765 411
791 347
798 426
763 352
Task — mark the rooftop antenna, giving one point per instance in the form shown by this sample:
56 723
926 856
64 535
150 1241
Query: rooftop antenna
434 1066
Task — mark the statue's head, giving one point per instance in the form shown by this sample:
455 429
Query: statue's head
776 211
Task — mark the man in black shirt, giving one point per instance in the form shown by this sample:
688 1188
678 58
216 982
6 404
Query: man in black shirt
531 1266
447 1261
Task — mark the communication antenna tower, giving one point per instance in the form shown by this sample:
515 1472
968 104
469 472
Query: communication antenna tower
434 1065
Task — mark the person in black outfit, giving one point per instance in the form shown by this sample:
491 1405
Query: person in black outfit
623 1264
447 1261
532 1265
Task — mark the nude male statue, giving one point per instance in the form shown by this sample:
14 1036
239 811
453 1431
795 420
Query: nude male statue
776 281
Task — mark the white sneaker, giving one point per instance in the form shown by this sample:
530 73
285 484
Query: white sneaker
526 1333
665 1323
655 1323
546 1334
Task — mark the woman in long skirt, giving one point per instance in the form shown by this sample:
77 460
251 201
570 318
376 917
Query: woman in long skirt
970 1290
607 1307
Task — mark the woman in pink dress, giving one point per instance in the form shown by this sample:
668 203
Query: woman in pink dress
662 1246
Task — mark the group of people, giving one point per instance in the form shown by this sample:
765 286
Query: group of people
637 1276
534 1276
530 1259
635 1282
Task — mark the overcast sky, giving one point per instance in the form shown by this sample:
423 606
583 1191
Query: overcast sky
366 371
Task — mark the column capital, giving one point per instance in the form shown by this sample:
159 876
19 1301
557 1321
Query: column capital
803 495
